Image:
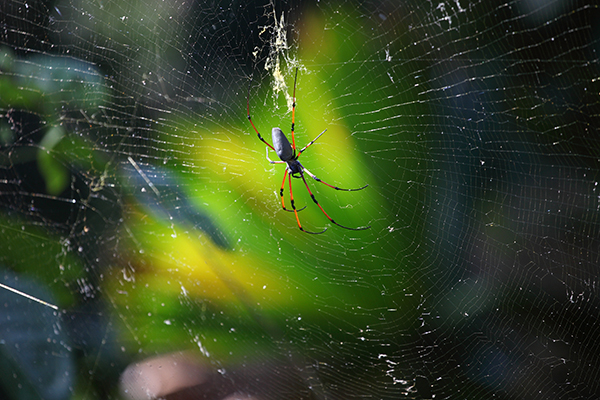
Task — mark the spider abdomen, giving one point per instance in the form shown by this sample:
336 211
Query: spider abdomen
282 145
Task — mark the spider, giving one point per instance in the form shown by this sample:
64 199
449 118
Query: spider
288 155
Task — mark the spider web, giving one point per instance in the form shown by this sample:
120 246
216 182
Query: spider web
142 225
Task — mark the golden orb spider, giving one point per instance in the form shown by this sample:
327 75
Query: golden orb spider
288 155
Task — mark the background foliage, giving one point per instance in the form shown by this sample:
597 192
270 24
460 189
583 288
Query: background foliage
136 201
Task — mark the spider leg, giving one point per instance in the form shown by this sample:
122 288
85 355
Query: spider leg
252 123
296 211
331 186
294 111
317 203
311 142
281 193
271 161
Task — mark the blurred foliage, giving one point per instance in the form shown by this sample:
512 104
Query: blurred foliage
242 277
215 264
35 360
140 202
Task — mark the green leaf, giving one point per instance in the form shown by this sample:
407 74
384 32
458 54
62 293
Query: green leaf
52 169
